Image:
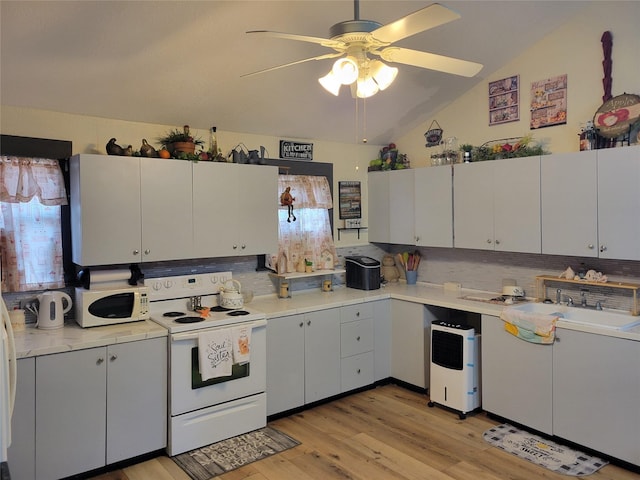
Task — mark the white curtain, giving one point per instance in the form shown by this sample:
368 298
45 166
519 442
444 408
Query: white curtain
309 236
31 192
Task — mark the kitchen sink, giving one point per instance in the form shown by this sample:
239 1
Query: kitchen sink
610 319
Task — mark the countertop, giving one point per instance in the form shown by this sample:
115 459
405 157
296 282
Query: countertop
33 342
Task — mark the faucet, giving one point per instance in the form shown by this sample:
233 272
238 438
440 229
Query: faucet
583 297
558 296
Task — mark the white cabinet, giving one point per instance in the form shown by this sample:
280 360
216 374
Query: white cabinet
569 204
235 209
391 207
381 339
356 346
99 406
516 377
129 209
22 452
619 203
433 207
303 359
596 387
497 205
410 340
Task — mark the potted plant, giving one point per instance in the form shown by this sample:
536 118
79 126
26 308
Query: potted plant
180 141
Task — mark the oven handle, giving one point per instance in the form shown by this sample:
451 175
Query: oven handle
194 336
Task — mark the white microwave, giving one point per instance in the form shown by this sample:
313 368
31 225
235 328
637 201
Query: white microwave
108 306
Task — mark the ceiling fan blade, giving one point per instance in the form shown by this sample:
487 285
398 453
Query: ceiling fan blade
431 61
321 57
325 42
416 22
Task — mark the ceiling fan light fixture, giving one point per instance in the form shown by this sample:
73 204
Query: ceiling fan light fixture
367 87
330 83
345 70
383 74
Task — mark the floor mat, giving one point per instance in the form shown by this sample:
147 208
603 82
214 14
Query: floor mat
540 451
222 457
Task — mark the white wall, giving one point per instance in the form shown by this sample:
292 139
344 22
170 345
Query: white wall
574 49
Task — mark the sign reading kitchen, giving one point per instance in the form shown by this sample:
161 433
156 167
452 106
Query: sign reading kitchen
296 150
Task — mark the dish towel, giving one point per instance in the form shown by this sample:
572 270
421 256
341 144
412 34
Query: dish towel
532 327
215 353
241 344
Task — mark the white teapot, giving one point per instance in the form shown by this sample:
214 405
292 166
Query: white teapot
230 296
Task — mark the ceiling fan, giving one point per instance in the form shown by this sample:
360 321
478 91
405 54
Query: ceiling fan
357 41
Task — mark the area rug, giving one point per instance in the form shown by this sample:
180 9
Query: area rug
540 451
222 457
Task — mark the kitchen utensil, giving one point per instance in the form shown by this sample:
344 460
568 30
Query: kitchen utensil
50 311
231 295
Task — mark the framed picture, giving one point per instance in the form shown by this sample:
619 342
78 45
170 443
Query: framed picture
504 100
350 200
549 102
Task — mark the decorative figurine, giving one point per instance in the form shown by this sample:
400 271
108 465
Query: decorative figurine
113 148
147 150
287 200
389 270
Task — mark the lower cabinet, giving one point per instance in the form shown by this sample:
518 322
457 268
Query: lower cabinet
97 406
596 387
410 342
516 377
356 346
22 452
303 361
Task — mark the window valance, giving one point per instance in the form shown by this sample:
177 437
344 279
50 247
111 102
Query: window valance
22 179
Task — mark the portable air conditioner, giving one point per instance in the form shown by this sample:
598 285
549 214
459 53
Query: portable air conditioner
455 367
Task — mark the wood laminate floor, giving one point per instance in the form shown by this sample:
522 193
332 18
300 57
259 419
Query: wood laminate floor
384 433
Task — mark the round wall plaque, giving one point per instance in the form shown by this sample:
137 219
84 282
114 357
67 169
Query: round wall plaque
616 116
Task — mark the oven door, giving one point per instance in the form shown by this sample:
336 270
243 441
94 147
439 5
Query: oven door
189 392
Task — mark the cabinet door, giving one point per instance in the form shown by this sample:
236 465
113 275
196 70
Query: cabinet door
516 205
381 339
136 398
401 184
285 363
596 386
322 354
105 209
516 377
473 205
433 206
379 209
257 203
619 203
22 452
70 413
569 204
167 227
409 343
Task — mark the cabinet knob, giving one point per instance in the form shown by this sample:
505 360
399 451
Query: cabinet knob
113 357
235 247
243 246
603 248
358 371
136 252
488 240
497 242
99 361
358 338
308 323
301 324
147 251
590 246
357 314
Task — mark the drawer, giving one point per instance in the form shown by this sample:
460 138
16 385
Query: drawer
356 337
356 312
356 371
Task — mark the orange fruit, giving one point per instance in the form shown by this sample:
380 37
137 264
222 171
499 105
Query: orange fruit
164 153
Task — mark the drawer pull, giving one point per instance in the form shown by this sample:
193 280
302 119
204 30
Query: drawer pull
358 371
358 338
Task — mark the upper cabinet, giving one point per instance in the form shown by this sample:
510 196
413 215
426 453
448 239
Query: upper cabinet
401 207
235 209
590 203
135 209
497 205
379 208
433 207
129 209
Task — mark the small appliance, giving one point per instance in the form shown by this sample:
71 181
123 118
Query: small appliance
110 305
363 273
51 310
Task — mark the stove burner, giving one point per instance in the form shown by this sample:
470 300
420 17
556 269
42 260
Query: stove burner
237 313
218 308
173 314
189 320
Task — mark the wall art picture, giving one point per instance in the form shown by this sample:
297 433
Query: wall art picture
549 102
350 200
504 100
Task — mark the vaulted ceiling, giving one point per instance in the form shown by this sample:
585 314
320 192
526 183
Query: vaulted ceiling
180 62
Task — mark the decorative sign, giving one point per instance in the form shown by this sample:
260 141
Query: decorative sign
504 100
549 102
433 136
350 200
616 116
296 150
